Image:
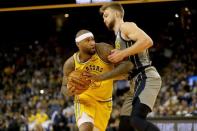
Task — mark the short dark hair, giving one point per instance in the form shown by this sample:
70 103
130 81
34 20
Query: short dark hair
114 6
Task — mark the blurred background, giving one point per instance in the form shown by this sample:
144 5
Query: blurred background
37 36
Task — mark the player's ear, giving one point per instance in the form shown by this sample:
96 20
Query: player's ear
117 14
77 44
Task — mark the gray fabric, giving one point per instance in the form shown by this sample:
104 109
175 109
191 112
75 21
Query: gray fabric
148 93
127 105
152 86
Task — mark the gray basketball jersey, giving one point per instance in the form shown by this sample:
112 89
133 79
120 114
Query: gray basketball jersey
139 60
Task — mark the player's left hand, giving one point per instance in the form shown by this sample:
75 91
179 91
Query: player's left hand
116 56
92 76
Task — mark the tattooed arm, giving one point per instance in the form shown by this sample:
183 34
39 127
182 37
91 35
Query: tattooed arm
69 66
122 68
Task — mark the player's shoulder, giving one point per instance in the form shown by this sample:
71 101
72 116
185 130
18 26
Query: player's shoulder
127 25
69 62
103 50
103 46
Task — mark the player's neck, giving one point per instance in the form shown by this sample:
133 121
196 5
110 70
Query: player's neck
117 26
84 57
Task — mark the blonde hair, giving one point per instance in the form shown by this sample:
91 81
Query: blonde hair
114 6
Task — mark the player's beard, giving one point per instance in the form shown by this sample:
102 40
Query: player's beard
91 51
111 25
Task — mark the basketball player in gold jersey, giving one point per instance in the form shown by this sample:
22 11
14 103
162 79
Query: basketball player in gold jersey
93 107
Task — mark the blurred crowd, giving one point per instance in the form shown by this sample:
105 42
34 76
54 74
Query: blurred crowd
30 82
31 76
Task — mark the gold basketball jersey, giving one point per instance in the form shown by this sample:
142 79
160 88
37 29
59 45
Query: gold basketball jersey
101 91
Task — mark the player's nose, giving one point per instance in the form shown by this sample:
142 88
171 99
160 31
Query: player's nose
92 42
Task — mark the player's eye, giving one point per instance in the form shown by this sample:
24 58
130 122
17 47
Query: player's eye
105 15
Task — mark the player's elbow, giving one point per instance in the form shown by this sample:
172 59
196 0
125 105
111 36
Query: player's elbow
129 66
148 42
63 90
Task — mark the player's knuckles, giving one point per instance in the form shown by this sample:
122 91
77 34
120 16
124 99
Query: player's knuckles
80 81
71 89
76 80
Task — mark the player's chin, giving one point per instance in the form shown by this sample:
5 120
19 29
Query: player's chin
109 27
93 50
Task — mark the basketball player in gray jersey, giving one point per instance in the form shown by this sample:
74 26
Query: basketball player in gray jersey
132 43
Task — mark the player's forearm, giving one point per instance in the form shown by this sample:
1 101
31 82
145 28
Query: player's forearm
138 47
122 68
64 90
